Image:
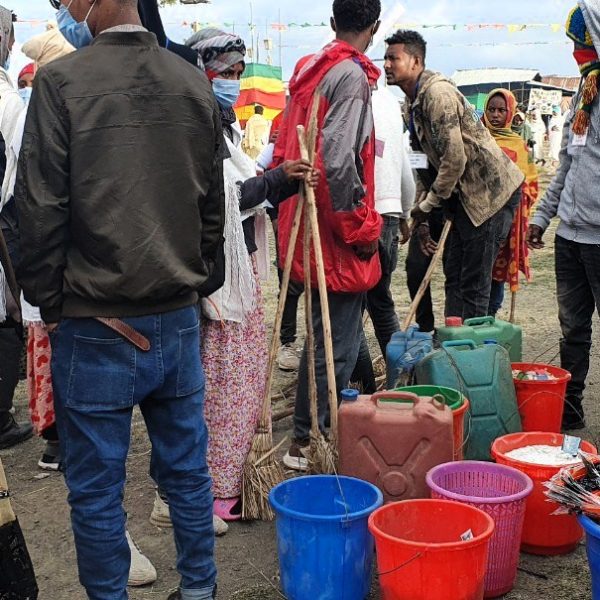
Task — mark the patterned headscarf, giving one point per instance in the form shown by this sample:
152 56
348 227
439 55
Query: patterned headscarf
589 66
217 50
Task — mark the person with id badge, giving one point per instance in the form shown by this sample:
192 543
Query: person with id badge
573 197
461 170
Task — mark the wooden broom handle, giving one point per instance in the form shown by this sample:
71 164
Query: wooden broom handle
427 279
285 283
311 207
310 333
6 512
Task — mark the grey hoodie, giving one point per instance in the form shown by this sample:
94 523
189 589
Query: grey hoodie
573 195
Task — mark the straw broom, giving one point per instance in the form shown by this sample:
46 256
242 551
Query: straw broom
262 471
323 455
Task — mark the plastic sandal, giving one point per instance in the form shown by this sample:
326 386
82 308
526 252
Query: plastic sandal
228 509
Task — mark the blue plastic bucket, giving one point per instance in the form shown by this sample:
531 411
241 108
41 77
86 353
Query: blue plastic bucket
325 548
592 531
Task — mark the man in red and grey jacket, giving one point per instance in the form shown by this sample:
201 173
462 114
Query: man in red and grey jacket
342 77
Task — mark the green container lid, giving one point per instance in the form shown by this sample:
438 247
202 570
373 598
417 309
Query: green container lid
453 398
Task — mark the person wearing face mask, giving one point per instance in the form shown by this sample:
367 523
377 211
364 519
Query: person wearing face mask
572 196
340 77
234 341
11 345
112 132
25 82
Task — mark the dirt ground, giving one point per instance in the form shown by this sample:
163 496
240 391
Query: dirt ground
247 555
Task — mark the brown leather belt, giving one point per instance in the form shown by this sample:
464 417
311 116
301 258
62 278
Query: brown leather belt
129 333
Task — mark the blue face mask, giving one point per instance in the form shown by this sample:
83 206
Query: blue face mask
226 91
25 94
6 65
77 34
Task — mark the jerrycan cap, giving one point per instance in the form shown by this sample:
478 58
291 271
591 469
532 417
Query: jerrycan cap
454 322
349 395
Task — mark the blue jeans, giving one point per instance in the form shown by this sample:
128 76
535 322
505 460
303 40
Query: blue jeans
98 378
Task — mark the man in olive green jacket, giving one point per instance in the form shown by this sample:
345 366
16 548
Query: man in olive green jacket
461 169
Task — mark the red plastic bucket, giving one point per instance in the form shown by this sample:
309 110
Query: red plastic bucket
420 553
541 403
543 533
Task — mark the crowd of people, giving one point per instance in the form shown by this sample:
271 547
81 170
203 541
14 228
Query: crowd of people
134 242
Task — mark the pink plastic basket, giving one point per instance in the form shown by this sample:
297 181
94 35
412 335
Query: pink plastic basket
501 492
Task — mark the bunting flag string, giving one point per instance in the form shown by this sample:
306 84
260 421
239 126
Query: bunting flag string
469 27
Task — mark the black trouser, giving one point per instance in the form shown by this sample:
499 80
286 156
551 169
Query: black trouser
10 359
469 259
345 312
290 311
380 304
11 344
417 264
578 291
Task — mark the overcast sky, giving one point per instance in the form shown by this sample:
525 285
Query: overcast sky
536 48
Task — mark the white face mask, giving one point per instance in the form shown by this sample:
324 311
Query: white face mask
25 94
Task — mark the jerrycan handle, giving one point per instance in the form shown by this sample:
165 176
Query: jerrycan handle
439 402
459 344
480 321
407 396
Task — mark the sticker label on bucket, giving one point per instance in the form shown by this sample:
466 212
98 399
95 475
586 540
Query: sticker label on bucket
467 535
571 445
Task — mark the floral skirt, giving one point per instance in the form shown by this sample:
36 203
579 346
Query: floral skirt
39 378
234 356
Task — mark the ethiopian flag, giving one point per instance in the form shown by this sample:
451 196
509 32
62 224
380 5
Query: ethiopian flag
261 84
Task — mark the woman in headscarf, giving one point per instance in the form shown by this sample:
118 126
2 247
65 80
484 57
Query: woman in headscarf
234 338
500 110
234 345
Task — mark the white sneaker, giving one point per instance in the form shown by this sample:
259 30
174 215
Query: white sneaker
296 457
160 513
287 358
141 570
161 517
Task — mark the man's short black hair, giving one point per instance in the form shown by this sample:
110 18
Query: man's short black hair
356 15
413 42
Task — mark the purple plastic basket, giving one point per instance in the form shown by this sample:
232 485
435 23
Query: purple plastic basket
501 492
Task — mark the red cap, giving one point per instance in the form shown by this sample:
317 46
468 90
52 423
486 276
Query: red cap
454 322
27 70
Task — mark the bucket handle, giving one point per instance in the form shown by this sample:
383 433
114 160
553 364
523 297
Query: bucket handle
404 564
459 344
475 321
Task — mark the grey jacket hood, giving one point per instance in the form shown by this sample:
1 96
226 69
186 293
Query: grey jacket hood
6 25
591 14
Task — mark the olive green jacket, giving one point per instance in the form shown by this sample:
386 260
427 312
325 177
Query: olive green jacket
461 151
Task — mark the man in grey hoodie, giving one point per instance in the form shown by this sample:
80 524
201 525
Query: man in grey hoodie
573 197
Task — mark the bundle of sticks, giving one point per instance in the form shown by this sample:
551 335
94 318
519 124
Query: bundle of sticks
577 489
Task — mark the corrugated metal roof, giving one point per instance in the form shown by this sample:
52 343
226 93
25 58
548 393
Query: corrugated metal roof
483 76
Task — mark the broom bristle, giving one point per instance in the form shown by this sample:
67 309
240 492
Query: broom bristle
259 477
322 457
